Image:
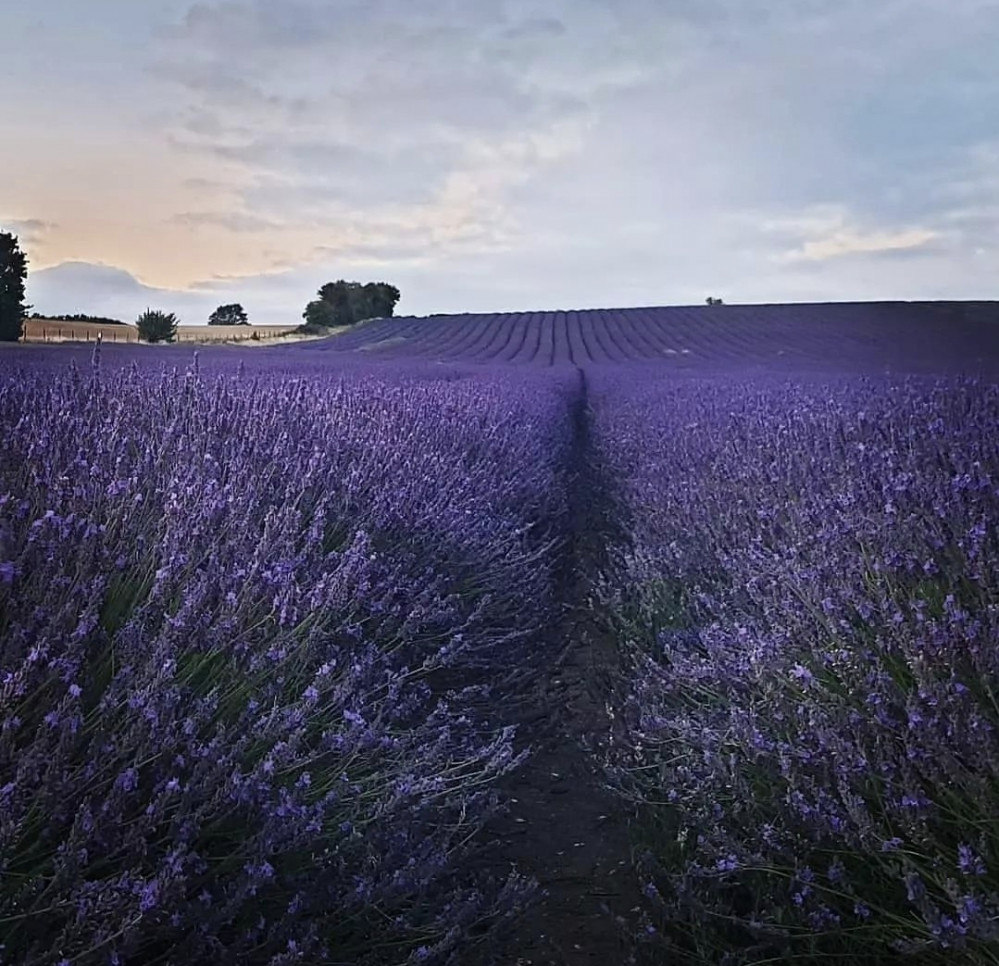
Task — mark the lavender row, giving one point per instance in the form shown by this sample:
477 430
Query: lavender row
228 601
811 608
865 337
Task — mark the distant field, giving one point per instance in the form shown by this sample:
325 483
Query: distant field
53 330
662 634
868 336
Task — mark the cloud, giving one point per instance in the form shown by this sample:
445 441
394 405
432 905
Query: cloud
826 232
622 137
106 290
275 297
852 242
86 287
234 221
31 232
280 279
426 115
494 154
322 170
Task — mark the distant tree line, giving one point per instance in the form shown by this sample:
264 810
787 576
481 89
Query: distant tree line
77 317
343 303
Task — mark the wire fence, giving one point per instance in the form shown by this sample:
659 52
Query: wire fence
54 330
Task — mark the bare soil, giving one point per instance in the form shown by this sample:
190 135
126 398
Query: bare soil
564 827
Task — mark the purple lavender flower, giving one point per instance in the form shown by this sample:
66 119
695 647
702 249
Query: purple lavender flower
192 554
969 862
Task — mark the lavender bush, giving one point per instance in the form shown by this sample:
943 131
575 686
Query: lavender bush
812 610
233 609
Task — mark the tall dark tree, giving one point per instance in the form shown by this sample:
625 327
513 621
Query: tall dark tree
13 272
340 298
233 314
346 303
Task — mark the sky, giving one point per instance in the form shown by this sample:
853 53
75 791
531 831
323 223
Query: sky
499 155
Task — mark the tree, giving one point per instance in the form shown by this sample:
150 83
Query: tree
13 272
157 326
713 301
384 298
229 315
338 302
346 303
319 313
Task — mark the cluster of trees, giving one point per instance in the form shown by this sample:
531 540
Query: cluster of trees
339 303
346 303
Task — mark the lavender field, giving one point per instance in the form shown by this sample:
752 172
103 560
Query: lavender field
651 636
862 336
811 608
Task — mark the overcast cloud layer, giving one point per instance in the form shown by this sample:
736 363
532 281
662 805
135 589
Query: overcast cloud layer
500 155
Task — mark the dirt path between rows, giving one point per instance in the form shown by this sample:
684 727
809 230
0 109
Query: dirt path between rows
564 827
